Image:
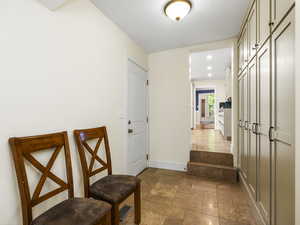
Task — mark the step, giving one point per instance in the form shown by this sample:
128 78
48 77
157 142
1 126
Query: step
224 173
215 158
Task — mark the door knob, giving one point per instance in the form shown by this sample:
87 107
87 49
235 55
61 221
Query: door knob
130 131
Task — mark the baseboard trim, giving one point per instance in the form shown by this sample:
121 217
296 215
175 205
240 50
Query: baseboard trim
258 217
167 165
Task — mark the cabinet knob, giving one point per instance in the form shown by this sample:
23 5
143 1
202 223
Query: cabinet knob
271 24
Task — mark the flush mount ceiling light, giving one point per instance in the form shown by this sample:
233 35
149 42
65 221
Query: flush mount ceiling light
209 68
178 9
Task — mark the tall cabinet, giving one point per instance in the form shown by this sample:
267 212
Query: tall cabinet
266 109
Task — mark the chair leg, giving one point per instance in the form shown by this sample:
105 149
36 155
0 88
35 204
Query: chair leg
137 204
108 219
115 216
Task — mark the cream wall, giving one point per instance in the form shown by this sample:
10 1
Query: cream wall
59 71
170 104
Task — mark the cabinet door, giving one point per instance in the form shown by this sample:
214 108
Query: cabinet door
241 120
279 9
264 123
246 44
263 21
283 105
252 32
241 54
245 133
252 125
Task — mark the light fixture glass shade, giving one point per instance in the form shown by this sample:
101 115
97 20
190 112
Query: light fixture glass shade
178 9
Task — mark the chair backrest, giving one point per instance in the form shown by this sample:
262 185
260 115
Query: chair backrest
82 137
23 149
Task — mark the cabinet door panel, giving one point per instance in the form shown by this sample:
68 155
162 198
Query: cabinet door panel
263 20
245 133
246 44
283 45
264 122
241 122
252 32
252 123
279 10
241 55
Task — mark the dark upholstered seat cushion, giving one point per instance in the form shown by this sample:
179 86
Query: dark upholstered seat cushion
114 188
78 211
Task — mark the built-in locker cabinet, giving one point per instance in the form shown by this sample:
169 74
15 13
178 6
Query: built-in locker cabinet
263 21
244 156
267 110
279 9
252 44
264 122
241 120
252 124
283 106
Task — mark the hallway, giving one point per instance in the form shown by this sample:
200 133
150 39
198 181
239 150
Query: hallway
209 140
175 198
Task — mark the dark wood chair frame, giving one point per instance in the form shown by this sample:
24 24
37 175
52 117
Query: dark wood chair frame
100 133
22 149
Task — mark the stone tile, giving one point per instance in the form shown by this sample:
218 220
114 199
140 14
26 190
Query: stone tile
200 219
175 198
235 212
209 204
209 140
230 222
173 221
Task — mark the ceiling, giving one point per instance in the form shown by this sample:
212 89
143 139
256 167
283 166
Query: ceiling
145 22
219 60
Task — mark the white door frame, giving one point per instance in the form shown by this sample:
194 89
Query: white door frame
126 116
232 44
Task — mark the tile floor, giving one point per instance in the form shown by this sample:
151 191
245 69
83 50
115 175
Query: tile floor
209 140
175 198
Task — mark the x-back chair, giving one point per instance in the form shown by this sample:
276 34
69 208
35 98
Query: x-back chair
112 188
73 211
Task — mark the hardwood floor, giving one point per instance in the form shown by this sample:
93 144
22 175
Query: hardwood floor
175 198
209 140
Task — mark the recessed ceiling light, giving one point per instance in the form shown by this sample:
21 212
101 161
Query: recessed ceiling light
178 9
209 57
209 75
209 68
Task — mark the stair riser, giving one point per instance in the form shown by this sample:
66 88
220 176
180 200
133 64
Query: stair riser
223 159
229 175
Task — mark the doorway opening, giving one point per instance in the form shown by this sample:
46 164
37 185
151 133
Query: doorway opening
211 84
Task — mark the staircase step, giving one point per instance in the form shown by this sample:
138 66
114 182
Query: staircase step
207 170
215 158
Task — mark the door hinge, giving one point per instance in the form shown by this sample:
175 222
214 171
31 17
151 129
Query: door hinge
147 119
147 82
147 156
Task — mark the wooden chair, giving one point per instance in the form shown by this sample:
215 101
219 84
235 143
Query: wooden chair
112 188
73 211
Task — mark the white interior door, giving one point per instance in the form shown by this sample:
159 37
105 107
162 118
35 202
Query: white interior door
137 119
